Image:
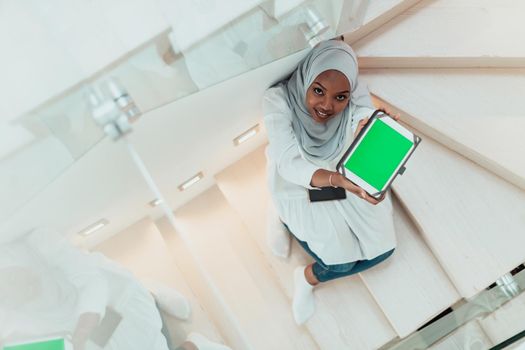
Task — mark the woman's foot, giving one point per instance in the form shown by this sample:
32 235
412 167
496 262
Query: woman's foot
303 296
170 300
202 343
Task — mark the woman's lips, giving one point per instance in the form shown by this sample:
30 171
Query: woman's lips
322 115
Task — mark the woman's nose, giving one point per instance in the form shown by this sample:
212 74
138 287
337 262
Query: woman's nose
326 105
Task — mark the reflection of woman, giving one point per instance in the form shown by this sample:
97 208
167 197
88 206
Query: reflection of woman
311 118
50 288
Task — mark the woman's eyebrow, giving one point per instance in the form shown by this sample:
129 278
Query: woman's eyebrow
341 92
319 85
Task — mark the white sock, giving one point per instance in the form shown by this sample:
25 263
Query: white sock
170 300
303 297
202 343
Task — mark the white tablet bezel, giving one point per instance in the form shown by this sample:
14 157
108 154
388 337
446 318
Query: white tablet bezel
358 180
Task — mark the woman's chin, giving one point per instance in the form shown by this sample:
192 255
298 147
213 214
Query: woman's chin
320 120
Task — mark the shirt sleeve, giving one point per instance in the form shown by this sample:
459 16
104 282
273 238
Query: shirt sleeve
78 267
283 147
92 286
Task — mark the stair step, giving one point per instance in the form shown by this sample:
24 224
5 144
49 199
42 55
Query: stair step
410 287
367 62
212 301
445 104
240 274
377 14
142 242
346 314
478 28
471 219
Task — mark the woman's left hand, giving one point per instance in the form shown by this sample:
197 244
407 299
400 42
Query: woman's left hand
391 113
360 126
379 104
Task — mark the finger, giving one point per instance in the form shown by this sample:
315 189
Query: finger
357 191
353 189
361 193
371 200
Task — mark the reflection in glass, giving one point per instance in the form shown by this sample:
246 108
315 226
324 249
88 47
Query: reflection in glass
51 290
461 325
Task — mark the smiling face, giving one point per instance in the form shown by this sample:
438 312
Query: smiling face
328 95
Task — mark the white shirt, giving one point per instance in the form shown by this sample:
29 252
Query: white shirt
338 231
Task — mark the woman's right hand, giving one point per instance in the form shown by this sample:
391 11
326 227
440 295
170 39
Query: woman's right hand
340 181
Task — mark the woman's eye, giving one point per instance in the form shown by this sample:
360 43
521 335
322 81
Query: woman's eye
341 97
318 91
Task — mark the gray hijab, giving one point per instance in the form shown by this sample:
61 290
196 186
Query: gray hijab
316 140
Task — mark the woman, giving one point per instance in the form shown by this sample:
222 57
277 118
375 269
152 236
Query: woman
311 119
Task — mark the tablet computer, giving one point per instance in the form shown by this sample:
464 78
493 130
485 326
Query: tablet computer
378 154
51 343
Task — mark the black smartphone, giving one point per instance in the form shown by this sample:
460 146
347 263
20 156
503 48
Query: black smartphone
327 194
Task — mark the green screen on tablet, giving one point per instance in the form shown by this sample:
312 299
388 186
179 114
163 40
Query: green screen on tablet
53 344
379 154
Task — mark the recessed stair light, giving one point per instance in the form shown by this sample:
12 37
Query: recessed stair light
184 186
251 132
94 227
155 203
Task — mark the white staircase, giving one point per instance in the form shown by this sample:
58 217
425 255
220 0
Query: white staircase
418 288
459 208
411 273
471 219
149 258
346 313
464 187
236 267
227 226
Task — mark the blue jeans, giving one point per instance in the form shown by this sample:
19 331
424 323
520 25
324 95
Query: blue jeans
325 272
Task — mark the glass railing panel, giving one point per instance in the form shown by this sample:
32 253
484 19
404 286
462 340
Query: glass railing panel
164 72
463 325
165 69
517 341
70 121
257 39
28 163
43 145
